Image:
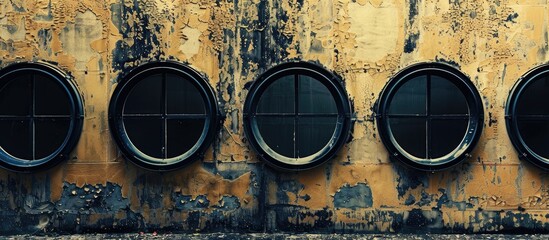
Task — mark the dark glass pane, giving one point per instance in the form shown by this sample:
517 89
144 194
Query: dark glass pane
446 135
410 98
16 95
446 97
313 134
278 134
536 136
16 138
279 97
51 98
314 97
146 135
146 96
49 135
409 133
183 134
183 96
535 98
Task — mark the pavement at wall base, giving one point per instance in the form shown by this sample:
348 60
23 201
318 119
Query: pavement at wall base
276 236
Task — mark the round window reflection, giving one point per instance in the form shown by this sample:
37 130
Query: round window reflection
430 116
164 115
528 116
297 116
40 116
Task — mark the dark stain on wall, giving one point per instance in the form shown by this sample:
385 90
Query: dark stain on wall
228 203
425 200
410 200
187 202
509 222
447 61
445 200
93 208
253 35
45 17
491 120
102 208
544 48
141 31
261 36
280 42
150 189
417 221
229 171
12 28
92 199
353 197
286 186
90 208
293 218
412 35
410 43
512 17
409 179
18 7
44 40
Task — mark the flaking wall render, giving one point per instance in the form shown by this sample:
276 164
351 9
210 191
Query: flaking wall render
231 42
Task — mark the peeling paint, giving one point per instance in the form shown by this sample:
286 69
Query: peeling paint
365 42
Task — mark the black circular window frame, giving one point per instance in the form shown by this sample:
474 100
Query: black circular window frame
512 121
123 89
76 117
334 85
476 115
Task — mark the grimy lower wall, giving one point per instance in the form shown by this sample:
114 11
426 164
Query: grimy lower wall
232 42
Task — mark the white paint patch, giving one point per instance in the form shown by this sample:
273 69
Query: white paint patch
12 30
191 45
376 30
78 36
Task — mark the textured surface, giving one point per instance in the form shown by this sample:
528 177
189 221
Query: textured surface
279 236
231 42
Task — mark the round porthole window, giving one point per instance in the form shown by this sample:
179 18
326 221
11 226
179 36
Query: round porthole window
163 115
40 116
297 116
527 116
430 116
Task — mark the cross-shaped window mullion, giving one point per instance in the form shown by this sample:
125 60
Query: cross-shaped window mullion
407 116
6 117
33 115
432 116
296 113
428 120
533 117
142 115
450 117
161 116
185 116
52 116
164 119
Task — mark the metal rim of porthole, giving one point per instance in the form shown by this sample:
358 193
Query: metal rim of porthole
341 132
14 163
211 117
475 116
512 121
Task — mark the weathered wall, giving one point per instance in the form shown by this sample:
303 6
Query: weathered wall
231 42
